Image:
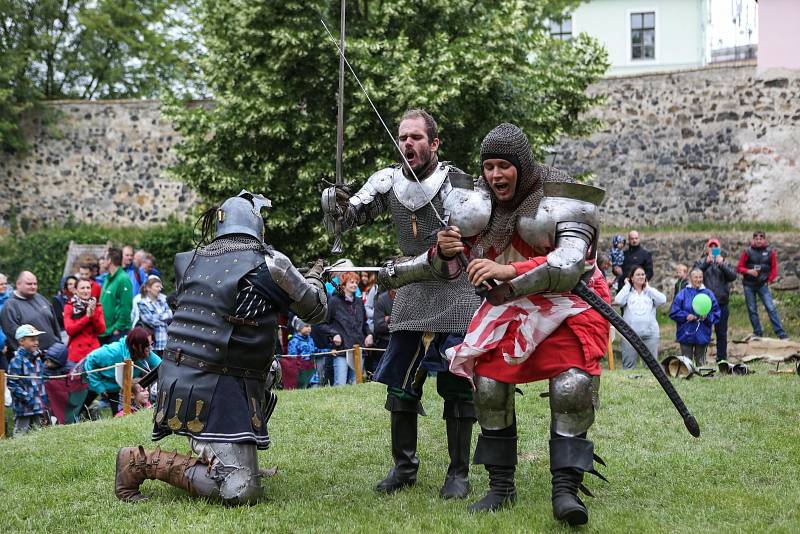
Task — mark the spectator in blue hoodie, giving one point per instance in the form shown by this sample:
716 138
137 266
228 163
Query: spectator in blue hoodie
303 344
694 332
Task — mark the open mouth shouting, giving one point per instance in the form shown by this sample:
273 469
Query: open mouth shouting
411 158
501 176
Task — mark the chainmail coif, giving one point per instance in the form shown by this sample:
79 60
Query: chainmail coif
508 142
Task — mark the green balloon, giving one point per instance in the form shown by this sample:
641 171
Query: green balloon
701 304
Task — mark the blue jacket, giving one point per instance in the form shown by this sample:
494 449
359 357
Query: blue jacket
116 352
29 397
693 332
302 345
3 299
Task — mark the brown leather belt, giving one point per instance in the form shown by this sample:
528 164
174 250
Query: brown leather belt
179 358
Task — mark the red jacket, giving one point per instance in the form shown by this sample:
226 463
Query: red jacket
83 332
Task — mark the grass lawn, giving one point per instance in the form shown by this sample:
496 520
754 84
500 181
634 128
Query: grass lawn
332 445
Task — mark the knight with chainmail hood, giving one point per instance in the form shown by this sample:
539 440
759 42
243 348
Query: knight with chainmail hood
540 241
215 380
429 314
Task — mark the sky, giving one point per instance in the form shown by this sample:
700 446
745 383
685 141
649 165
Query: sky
727 29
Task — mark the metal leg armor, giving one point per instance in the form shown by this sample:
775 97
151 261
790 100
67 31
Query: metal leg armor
230 473
497 444
573 397
227 472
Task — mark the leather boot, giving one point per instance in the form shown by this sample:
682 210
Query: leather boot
459 418
570 458
404 445
499 456
135 465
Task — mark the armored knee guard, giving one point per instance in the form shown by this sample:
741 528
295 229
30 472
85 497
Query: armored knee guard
233 476
494 403
572 402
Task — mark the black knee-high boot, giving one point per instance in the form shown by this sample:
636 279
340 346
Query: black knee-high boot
497 451
459 417
570 458
404 445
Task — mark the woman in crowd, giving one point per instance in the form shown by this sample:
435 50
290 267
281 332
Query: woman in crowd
694 332
369 291
640 301
135 346
84 322
62 298
154 312
346 326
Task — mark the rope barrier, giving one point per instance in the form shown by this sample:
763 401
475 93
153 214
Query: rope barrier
326 353
66 375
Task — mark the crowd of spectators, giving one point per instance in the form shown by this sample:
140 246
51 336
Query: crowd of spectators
95 320
629 269
113 309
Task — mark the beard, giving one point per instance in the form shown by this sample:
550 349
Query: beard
424 161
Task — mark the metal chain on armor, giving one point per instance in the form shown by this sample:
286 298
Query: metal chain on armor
232 243
507 139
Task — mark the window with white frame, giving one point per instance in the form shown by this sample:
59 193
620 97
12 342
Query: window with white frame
643 35
561 29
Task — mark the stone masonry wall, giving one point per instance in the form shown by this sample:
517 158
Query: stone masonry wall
715 144
101 161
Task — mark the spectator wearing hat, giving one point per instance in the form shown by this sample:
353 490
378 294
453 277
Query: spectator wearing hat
617 254
693 332
717 277
758 264
302 345
28 394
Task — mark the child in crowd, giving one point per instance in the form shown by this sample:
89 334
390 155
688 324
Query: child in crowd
681 279
302 343
617 254
28 394
140 399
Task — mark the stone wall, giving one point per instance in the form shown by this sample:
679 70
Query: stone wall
671 248
715 144
101 161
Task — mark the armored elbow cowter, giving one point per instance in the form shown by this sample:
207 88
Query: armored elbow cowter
567 223
309 300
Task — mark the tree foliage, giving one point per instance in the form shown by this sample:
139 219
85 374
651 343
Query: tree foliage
52 49
273 72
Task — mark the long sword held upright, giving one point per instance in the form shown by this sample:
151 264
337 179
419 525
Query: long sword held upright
337 240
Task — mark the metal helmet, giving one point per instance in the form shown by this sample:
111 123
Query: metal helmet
242 215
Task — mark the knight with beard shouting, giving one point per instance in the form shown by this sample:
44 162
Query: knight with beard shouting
541 239
429 314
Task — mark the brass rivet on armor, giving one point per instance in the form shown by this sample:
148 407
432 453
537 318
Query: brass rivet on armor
236 260
193 343
227 270
217 349
213 314
219 282
214 332
203 329
201 293
204 345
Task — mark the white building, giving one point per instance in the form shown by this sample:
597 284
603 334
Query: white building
643 35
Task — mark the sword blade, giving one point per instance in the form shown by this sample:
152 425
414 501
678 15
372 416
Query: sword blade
354 269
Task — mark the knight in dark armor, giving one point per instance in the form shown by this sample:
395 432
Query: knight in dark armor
429 314
540 241
215 380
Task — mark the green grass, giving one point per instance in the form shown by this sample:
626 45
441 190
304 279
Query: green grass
332 445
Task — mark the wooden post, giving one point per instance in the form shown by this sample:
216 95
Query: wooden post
2 404
610 354
357 363
127 384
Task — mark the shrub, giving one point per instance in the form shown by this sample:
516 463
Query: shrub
44 251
